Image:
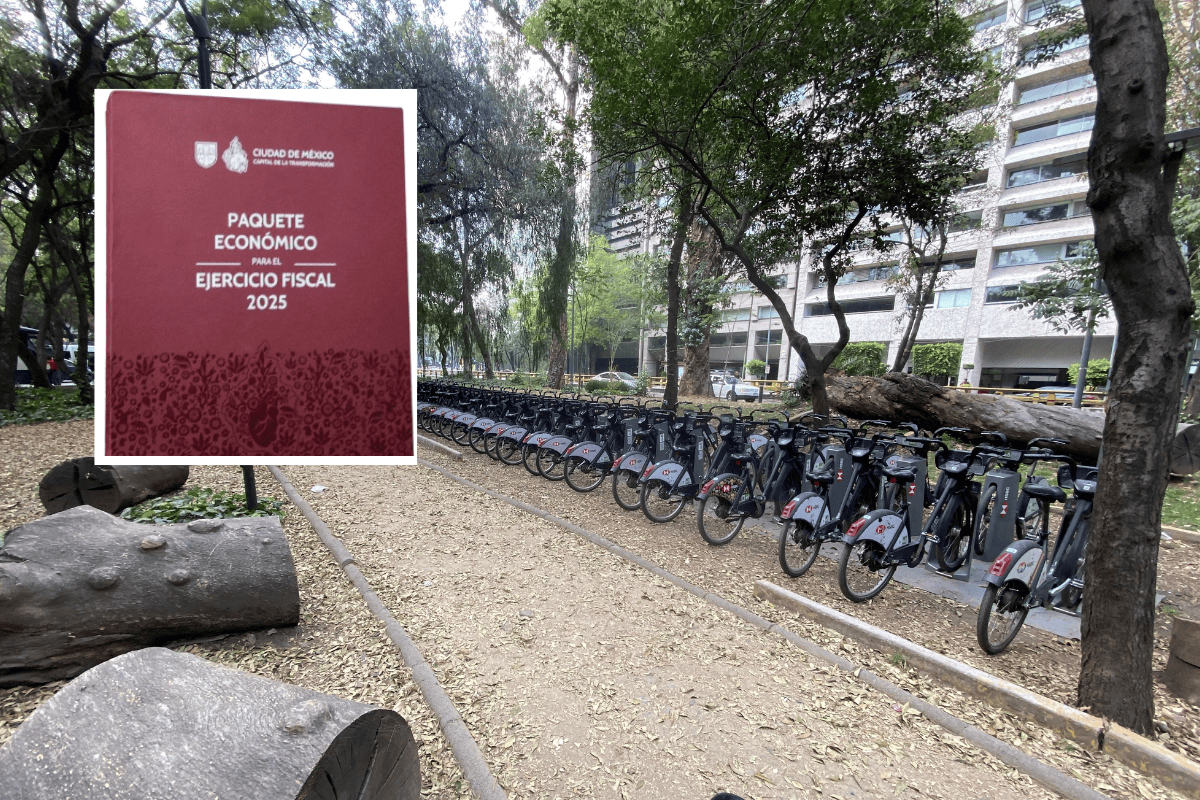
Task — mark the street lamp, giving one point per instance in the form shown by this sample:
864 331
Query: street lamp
199 26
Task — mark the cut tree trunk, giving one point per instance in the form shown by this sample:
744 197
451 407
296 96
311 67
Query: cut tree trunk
82 482
81 586
156 723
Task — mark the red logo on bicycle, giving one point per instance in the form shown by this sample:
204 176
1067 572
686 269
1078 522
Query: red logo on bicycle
1003 509
880 528
839 476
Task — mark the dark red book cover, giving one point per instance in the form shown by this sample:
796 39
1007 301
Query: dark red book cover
257 279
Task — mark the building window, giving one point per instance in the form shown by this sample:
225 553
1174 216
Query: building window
978 178
954 298
966 221
735 315
1065 167
767 312
1048 213
880 273
1038 50
769 337
1001 294
1056 88
863 306
954 265
1038 254
1063 127
991 18
1037 9
775 281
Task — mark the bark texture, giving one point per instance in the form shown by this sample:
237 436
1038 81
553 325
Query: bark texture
81 586
82 482
1144 272
156 723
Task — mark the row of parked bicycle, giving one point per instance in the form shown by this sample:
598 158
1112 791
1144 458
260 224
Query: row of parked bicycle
866 488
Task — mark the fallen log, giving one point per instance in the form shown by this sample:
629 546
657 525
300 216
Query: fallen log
900 397
81 481
81 586
161 724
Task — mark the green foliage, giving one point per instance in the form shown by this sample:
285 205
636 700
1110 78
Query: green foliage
200 503
605 387
46 405
862 358
643 384
1067 293
939 360
797 394
756 367
1097 372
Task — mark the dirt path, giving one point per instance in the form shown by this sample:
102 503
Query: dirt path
582 675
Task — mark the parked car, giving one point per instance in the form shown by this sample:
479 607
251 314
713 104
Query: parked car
727 387
617 377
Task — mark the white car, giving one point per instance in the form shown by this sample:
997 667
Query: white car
618 377
727 387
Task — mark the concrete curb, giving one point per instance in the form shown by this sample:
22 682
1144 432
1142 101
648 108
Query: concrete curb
441 448
1191 537
1042 773
1144 755
470 758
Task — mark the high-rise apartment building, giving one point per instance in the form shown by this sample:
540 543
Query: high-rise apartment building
1021 213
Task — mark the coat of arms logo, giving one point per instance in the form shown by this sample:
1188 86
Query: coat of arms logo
206 154
235 157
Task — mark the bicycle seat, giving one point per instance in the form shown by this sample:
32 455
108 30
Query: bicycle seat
823 479
1045 491
899 474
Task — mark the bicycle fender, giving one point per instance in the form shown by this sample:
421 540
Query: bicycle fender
1017 562
809 507
587 451
483 423
880 526
667 471
537 439
707 488
513 432
757 440
558 444
634 462
466 419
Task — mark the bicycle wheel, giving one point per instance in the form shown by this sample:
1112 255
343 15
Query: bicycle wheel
491 446
459 431
1001 615
798 547
625 489
476 440
863 502
717 520
953 530
860 576
582 476
984 524
658 504
529 457
507 450
550 464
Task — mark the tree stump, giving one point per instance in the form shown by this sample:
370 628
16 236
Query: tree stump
155 723
81 481
82 586
1182 675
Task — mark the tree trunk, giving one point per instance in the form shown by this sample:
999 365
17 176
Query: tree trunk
156 723
556 370
82 586
686 213
696 381
1146 280
82 482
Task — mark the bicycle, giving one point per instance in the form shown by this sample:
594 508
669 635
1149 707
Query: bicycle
1022 577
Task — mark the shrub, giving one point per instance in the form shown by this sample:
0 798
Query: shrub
756 367
643 384
1097 372
798 392
200 503
937 360
862 358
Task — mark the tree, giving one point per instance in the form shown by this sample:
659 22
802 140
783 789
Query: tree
1069 294
481 165
705 274
49 69
562 59
799 122
1146 279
